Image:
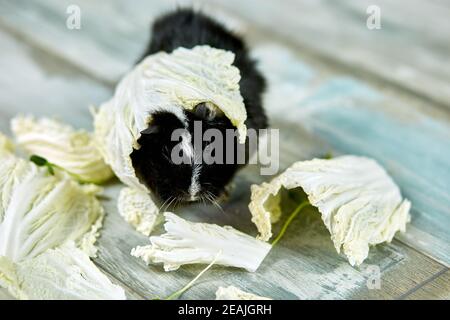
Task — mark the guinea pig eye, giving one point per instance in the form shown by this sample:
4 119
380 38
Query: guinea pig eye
207 111
150 130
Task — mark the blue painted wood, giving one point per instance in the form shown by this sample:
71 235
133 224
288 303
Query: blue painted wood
407 51
111 37
415 154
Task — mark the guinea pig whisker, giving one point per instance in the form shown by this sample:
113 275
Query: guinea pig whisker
210 197
165 201
202 199
178 201
171 201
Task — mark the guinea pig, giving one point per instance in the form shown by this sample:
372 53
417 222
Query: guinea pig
193 181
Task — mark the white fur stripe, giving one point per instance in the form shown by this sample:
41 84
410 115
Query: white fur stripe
186 146
188 150
194 188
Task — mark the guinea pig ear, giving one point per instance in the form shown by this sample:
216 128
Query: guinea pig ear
150 130
207 111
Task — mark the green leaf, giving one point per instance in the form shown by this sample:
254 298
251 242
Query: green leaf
190 284
328 155
50 169
291 217
39 161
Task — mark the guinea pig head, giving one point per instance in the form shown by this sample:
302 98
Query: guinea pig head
181 160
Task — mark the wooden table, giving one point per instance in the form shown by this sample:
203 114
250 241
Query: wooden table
336 86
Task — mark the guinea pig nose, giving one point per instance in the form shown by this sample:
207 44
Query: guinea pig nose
193 198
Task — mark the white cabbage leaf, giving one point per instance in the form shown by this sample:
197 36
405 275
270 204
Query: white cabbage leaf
48 226
189 243
63 146
12 173
5 295
233 293
138 209
6 145
40 211
169 82
62 273
359 203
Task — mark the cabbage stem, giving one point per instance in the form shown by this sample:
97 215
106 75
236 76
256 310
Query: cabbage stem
294 213
191 283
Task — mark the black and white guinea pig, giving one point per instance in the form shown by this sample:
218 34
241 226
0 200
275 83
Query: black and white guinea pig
180 183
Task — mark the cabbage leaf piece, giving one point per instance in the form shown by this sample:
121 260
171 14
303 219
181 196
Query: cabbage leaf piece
40 211
189 243
171 82
62 273
138 209
5 295
12 173
233 293
61 145
6 146
48 226
358 201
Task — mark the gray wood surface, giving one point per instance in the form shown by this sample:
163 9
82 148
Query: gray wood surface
52 71
437 288
408 51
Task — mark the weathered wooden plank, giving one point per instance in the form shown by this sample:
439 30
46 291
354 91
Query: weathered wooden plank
407 51
111 36
37 82
85 47
436 289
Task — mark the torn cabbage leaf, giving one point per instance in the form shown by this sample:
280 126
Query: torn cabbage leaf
5 144
40 211
62 273
170 82
187 243
74 151
138 209
233 293
359 203
5 295
12 173
48 227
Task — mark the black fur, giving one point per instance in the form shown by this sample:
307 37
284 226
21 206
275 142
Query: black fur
187 28
152 162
